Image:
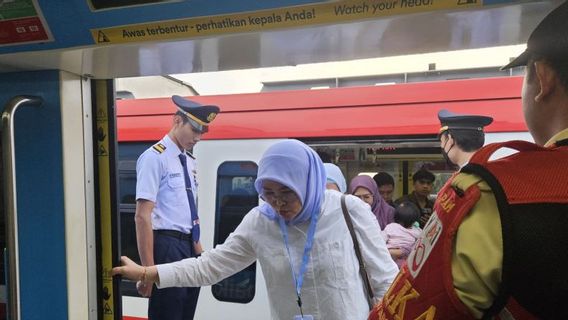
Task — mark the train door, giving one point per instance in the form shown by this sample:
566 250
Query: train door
52 197
44 281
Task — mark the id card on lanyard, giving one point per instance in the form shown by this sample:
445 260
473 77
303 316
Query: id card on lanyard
299 278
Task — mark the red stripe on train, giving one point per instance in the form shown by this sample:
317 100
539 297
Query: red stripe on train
394 110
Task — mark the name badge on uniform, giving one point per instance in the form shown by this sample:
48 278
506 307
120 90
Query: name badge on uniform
306 317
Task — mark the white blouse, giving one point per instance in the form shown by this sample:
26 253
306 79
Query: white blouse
332 288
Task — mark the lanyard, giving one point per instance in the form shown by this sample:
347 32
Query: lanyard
299 279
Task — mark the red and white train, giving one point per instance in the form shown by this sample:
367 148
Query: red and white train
390 128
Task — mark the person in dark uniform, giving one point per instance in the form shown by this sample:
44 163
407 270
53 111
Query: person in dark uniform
460 136
420 196
494 247
167 223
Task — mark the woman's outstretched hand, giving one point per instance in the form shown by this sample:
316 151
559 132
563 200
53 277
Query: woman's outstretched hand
145 276
129 269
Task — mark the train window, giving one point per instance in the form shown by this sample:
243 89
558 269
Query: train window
236 196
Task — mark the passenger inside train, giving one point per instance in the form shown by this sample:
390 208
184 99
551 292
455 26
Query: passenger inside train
365 188
385 183
402 234
423 180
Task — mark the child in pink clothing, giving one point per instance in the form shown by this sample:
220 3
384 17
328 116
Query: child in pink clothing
401 235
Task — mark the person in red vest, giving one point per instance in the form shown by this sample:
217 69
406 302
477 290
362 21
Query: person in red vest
494 247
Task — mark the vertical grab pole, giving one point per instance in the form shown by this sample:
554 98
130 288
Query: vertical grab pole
10 205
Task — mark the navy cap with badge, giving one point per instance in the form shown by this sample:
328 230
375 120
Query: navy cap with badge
548 40
199 116
450 120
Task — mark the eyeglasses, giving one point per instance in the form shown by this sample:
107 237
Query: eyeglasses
365 196
286 196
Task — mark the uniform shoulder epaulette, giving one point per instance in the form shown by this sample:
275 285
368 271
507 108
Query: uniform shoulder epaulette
189 154
160 148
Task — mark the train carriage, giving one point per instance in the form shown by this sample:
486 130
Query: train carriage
363 130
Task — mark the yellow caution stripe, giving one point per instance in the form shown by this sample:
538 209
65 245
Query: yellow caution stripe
279 18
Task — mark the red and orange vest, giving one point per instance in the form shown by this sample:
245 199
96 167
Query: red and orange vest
531 189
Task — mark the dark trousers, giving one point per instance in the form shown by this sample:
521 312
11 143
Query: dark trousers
172 303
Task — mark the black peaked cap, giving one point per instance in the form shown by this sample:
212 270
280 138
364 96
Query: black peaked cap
548 40
450 120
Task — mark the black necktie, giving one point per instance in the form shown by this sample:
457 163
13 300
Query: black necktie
192 207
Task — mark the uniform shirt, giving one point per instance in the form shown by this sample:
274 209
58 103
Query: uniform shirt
477 260
333 287
160 179
478 255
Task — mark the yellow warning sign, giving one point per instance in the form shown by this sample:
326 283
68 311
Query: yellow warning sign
281 18
102 37
104 198
107 309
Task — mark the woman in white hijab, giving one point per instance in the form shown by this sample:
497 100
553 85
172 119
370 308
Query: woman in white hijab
335 178
301 240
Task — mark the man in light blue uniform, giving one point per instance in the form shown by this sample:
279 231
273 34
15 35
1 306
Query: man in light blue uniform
167 224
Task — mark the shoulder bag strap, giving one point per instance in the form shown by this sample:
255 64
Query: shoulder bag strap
362 268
